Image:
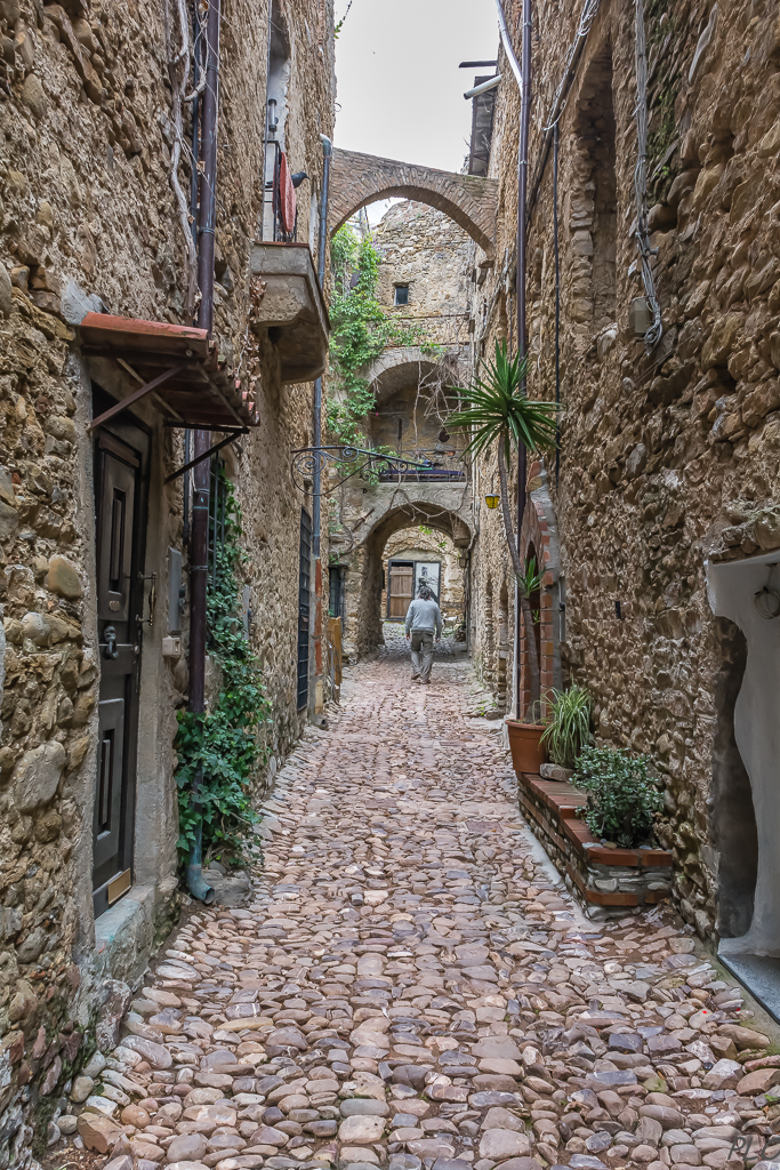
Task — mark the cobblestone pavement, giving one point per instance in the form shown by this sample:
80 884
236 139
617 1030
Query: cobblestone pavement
407 986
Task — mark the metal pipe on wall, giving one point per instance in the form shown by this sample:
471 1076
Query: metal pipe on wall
199 539
317 410
522 199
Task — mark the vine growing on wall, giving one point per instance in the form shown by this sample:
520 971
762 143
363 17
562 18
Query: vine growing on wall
360 330
224 743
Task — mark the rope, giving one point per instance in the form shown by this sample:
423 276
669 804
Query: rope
655 332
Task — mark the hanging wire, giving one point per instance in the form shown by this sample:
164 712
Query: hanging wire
587 16
655 332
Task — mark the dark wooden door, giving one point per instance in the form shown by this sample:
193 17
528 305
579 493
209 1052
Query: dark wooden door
304 606
120 469
400 589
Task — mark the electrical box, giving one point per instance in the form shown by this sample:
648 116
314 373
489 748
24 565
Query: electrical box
175 591
171 647
639 316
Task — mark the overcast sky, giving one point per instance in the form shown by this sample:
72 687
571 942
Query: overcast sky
400 92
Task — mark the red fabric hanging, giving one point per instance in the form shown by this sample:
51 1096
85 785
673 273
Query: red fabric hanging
286 196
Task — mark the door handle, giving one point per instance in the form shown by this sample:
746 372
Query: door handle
110 649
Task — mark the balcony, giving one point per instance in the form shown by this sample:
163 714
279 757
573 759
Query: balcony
440 467
290 311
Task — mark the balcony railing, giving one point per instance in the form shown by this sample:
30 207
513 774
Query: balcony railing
440 467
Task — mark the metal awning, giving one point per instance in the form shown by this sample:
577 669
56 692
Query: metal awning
177 365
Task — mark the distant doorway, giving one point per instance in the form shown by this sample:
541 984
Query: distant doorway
400 589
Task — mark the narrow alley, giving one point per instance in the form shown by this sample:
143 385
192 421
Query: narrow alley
408 985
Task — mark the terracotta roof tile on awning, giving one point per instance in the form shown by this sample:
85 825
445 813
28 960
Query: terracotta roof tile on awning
177 364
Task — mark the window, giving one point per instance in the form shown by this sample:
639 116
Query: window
595 233
401 294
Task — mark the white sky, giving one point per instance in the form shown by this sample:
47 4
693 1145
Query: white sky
400 92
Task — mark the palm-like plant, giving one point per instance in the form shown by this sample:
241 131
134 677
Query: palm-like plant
498 413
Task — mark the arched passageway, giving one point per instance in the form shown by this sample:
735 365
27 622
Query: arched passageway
358 179
369 575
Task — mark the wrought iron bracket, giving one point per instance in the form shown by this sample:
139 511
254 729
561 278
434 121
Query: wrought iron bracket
231 438
357 459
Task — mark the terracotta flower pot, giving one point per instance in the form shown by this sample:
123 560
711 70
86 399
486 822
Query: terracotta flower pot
528 753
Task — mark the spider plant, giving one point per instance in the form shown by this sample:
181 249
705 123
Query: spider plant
498 414
568 731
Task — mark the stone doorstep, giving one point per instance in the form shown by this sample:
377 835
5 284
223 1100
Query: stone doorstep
551 806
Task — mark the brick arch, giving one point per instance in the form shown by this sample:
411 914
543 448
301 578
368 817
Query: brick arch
539 536
358 179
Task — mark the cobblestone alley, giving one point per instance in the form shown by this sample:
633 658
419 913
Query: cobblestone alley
407 986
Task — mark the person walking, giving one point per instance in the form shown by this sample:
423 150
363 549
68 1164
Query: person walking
423 623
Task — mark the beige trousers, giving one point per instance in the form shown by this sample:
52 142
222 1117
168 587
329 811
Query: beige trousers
422 653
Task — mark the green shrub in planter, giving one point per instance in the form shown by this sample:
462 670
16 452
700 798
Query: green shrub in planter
568 731
622 797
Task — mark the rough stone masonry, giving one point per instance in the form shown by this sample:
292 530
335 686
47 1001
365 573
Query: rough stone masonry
668 459
89 221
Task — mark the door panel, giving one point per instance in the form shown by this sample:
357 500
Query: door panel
119 483
400 584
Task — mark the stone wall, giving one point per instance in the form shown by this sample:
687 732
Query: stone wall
89 221
664 450
425 249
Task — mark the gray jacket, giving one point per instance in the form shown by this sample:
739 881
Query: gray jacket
423 615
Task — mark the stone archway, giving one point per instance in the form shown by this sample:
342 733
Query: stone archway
368 561
358 179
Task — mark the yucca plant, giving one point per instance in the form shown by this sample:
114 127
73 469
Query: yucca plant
568 731
497 413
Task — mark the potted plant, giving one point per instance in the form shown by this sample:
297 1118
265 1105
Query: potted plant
622 799
568 730
498 414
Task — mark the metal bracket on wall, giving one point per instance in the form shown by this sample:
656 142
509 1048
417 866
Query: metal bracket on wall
135 396
354 459
230 438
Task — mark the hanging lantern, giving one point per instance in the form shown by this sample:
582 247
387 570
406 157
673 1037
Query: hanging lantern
492 502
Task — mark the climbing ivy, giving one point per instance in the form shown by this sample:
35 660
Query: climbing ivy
225 742
360 330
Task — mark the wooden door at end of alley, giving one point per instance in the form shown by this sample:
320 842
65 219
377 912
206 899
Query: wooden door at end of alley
400 587
119 483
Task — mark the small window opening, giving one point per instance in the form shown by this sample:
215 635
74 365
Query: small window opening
401 296
597 211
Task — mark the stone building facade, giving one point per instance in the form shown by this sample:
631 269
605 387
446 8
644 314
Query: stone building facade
91 223
425 255
657 520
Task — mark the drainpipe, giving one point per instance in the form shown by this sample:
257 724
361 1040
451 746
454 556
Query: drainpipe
316 510
317 413
199 543
522 200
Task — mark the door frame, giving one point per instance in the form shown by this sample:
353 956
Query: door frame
125 433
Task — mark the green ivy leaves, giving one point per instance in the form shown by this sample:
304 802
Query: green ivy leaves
622 797
360 331
224 744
